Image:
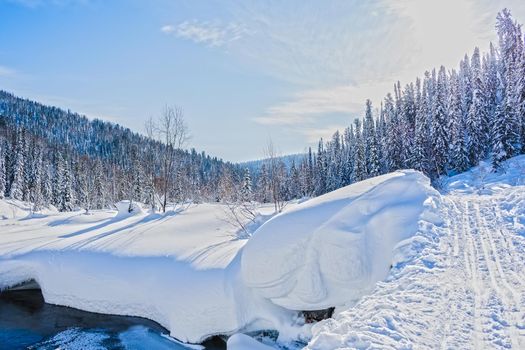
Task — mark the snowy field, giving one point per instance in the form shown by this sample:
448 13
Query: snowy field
404 266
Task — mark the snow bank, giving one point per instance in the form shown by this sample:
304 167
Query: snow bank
123 208
15 209
178 269
244 342
333 249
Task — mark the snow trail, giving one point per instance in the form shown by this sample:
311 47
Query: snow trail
465 289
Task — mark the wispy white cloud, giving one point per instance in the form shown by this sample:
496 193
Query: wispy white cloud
168 29
311 105
313 134
213 34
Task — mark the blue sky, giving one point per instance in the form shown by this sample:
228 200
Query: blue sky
243 71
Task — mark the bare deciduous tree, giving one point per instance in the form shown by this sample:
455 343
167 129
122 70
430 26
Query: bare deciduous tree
239 212
171 130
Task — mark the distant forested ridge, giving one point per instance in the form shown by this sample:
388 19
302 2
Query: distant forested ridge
52 156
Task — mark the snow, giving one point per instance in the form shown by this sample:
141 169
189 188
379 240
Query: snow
179 268
187 269
333 249
243 342
460 285
482 179
123 208
404 266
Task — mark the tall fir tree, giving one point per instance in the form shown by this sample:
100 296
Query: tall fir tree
476 118
459 155
440 142
372 164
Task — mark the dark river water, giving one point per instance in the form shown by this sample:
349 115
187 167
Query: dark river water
26 322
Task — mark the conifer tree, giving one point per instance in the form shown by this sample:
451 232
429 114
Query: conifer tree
17 183
359 171
246 187
370 140
440 142
458 156
3 174
476 118
65 192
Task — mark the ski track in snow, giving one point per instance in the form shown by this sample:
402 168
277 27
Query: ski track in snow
465 288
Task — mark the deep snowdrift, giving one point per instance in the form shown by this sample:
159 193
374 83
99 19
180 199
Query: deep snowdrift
334 248
189 271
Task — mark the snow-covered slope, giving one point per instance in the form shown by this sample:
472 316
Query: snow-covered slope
463 284
333 249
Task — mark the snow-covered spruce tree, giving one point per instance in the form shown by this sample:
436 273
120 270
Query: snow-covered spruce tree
47 191
381 132
294 182
476 118
16 190
320 170
3 182
440 138
505 131
421 130
263 185
359 171
407 123
394 142
333 155
246 187
98 186
84 181
35 180
348 156
135 178
519 96
66 199
306 171
149 193
465 84
490 82
372 164
458 156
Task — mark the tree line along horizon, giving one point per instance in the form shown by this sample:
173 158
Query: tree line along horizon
441 124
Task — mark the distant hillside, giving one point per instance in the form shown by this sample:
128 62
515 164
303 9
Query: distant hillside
47 153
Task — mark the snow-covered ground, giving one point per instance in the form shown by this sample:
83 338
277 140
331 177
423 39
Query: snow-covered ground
177 268
404 266
463 288
188 269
